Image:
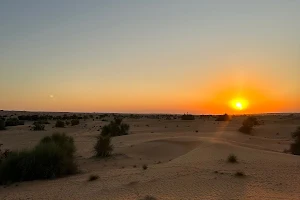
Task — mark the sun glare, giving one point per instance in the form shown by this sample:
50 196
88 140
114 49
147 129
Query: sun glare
239 104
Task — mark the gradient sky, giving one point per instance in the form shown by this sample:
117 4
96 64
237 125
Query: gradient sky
158 56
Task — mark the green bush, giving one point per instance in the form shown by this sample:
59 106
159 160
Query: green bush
2 124
53 157
60 124
75 122
103 147
295 147
115 128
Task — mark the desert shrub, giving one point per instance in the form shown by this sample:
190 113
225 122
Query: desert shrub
246 129
74 122
42 121
60 124
13 122
148 197
248 124
295 147
67 123
62 140
188 117
232 158
224 117
296 133
37 126
103 147
145 167
239 174
2 124
115 128
3 154
52 157
93 177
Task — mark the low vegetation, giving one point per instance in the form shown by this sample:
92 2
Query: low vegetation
232 158
239 174
148 197
295 147
37 126
248 125
13 122
3 154
115 128
52 157
93 177
60 124
2 124
103 147
145 167
224 117
74 122
187 117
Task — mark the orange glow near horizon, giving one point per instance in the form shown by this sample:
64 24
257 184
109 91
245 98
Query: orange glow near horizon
239 104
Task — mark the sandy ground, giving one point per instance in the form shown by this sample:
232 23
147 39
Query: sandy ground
186 160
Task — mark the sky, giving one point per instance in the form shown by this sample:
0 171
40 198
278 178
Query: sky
158 56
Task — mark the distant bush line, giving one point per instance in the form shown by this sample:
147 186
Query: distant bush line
187 117
224 117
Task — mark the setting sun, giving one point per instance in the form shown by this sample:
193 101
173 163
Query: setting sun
239 104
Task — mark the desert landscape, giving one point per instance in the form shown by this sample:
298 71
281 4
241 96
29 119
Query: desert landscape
149 100
166 157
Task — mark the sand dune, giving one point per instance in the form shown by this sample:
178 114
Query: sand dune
182 163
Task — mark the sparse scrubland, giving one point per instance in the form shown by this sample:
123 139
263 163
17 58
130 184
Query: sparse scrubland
158 151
